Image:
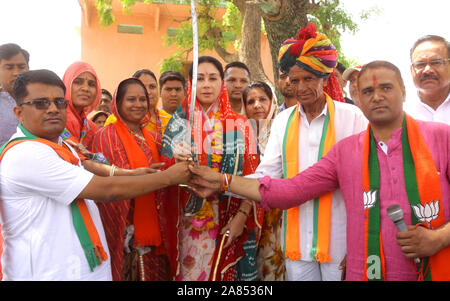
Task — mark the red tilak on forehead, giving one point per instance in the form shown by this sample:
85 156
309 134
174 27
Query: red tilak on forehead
374 79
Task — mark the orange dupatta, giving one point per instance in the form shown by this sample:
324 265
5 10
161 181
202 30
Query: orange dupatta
146 223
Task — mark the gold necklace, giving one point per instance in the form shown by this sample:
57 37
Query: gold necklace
137 135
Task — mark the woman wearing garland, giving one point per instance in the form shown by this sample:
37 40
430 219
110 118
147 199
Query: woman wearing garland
218 241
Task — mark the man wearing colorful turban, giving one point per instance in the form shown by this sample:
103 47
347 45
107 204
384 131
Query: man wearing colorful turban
312 236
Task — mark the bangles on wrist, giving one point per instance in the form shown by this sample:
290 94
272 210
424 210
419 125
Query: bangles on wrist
242 211
112 170
225 182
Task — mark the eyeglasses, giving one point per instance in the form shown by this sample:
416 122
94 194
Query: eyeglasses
435 64
44 103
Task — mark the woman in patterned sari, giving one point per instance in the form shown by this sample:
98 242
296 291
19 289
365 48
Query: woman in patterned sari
132 227
218 241
260 108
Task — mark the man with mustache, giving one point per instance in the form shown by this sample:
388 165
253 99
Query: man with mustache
51 225
286 90
297 141
396 161
237 78
430 70
13 61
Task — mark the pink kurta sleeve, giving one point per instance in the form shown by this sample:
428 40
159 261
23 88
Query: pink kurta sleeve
309 184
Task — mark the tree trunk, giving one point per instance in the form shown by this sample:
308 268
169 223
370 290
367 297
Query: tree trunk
250 48
285 24
282 20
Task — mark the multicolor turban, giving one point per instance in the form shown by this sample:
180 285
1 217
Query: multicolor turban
311 50
314 52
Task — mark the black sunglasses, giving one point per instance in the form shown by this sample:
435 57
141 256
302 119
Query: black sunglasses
44 103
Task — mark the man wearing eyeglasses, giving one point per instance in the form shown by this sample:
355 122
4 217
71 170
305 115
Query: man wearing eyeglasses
430 69
50 223
13 61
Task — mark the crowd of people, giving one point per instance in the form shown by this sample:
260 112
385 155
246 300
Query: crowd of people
144 184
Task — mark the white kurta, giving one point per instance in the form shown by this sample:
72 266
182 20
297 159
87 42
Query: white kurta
349 120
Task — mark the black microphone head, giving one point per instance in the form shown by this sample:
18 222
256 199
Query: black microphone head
395 213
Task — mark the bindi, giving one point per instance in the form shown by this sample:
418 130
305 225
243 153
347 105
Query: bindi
374 80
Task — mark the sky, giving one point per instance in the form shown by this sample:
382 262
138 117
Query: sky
50 31
390 34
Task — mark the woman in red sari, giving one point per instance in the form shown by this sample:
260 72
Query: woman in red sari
132 227
84 93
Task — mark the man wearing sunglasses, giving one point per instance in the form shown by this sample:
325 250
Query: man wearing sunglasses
51 225
430 69
13 61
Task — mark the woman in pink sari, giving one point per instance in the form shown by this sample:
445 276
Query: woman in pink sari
84 93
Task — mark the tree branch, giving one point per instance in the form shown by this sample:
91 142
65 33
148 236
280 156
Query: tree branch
225 55
268 7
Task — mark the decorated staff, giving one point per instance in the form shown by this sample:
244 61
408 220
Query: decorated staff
194 204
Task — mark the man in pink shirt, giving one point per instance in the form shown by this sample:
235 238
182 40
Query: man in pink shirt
346 166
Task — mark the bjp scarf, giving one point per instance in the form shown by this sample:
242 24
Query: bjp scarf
322 205
424 192
82 221
314 52
79 126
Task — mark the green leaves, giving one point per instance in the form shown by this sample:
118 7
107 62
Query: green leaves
104 11
224 31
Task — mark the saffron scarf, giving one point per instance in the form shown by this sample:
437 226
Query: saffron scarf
322 205
145 219
82 221
424 192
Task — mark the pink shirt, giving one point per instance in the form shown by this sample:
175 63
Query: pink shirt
342 168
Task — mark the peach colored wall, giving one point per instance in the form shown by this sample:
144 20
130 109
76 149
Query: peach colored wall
116 56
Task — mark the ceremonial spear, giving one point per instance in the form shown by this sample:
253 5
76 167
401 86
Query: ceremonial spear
194 203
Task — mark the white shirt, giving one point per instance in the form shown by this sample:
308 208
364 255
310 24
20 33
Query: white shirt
349 120
422 111
40 242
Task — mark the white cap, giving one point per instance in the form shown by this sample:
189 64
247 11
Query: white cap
349 71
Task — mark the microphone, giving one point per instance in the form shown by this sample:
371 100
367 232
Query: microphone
395 213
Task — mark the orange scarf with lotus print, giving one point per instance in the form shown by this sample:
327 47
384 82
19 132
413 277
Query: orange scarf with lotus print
424 194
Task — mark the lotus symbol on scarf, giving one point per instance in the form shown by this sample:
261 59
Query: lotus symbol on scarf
428 212
370 197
